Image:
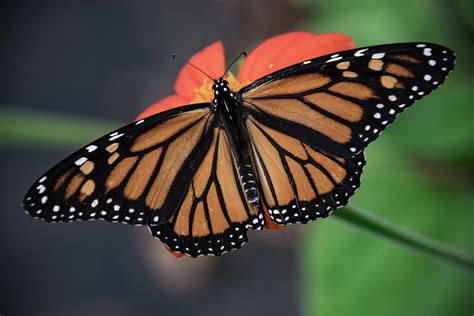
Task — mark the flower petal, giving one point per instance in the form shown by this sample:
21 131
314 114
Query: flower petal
288 49
211 60
176 255
165 104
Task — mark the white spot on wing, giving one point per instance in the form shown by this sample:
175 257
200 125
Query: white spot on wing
115 137
378 56
41 189
333 59
80 161
91 148
359 53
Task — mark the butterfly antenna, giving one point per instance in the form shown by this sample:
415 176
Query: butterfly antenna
234 61
187 62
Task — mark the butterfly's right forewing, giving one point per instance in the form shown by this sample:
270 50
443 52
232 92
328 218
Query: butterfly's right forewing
341 103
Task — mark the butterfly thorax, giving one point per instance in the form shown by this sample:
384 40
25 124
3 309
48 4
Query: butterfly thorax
228 107
230 113
222 94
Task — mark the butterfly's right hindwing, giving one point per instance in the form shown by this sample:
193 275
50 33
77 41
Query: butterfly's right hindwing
300 183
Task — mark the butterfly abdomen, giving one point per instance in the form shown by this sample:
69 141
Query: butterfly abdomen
249 184
231 114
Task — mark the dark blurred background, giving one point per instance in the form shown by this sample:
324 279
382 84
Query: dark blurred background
105 61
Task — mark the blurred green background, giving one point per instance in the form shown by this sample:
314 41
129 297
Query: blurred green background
419 174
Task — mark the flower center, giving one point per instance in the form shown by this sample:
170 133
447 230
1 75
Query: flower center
206 94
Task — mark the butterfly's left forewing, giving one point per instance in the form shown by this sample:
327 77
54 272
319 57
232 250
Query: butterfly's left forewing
133 175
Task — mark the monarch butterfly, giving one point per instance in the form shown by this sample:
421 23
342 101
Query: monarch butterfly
290 143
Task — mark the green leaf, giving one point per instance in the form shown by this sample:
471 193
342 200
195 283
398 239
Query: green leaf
343 267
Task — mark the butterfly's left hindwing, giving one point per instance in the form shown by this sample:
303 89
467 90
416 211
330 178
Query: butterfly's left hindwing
341 103
133 175
214 216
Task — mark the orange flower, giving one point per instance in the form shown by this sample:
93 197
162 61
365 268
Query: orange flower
273 54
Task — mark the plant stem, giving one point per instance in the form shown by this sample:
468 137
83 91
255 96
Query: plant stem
32 128
50 130
416 242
